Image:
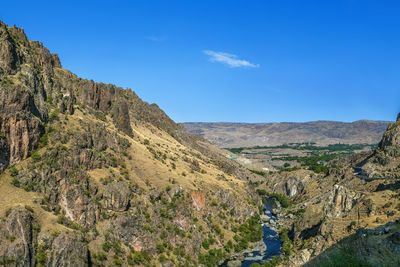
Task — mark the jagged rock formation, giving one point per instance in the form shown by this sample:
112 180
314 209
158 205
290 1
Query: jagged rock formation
117 196
385 161
92 175
340 201
293 186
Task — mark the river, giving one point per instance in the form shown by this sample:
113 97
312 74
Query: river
271 243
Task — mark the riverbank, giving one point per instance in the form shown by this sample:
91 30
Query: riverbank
269 246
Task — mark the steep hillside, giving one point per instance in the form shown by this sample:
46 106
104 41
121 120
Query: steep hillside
92 175
269 134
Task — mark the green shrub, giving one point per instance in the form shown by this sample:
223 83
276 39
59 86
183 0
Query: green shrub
213 257
44 140
55 233
298 212
36 156
13 171
285 202
262 173
54 115
146 142
286 242
117 248
161 247
206 244
117 262
101 256
138 258
106 246
261 192
41 256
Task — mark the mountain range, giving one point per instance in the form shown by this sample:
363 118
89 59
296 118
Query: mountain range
225 134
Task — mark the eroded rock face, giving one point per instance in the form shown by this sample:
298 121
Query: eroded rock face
23 133
293 186
340 200
199 199
121 117
4 153
19 245
20 121
16 246
68 249
8 55
385 161
78 207
117 196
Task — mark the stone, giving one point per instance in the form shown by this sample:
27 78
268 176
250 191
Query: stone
340 200
235 263
116 196
16 237
293 186
68 249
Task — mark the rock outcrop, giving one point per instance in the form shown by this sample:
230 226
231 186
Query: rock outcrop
385 161
293 186
340 200
68 249
16 235
117 196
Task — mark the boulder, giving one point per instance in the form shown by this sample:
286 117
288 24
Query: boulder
235 263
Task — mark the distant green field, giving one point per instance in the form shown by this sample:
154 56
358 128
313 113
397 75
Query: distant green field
308 146
317 156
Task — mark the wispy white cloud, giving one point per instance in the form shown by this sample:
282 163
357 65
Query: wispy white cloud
154 38
229 59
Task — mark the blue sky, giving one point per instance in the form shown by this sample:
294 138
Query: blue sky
237 61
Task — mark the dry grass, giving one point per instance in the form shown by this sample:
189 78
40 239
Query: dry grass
13 196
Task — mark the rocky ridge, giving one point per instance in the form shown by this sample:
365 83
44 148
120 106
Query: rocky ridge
96 176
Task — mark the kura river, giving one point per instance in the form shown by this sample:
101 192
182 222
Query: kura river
269 247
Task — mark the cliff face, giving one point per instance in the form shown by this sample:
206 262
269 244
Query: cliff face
385 161
92 175
32 79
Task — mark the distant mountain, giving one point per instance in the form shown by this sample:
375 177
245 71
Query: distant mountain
227 134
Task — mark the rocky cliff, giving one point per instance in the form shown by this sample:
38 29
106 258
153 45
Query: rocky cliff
385 161
358 193
93 175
